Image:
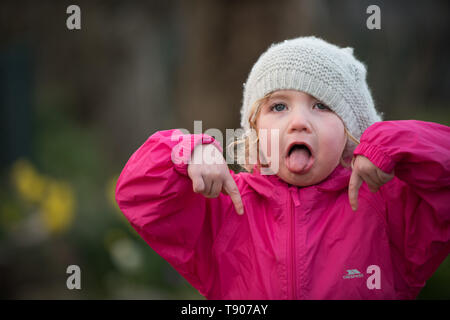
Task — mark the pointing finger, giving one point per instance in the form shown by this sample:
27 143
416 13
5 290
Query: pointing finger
232 190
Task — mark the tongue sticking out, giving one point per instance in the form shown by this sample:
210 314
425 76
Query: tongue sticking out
298 159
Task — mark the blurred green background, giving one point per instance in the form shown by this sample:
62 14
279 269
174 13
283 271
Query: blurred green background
76 104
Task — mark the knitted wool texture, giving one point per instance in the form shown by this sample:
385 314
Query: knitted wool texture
328 73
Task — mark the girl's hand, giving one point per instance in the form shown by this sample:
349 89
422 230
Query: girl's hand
364 170
210 175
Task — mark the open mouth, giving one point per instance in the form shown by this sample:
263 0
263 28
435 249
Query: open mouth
299 158
299 147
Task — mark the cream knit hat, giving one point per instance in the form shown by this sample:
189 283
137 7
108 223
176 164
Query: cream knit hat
329 73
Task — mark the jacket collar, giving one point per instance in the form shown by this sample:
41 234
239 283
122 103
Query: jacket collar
265 184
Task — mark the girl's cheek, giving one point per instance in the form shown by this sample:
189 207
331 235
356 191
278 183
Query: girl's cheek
335 135
264 142
270 142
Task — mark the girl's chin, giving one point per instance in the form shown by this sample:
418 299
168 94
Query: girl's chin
312 177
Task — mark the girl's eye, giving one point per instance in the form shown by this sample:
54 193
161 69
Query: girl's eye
278 107
321 106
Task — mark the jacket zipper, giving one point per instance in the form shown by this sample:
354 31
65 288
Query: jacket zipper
293 279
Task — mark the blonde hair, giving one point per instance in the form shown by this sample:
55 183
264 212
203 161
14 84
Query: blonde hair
246 139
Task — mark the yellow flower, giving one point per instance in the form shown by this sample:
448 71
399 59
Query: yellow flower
57 209
27 181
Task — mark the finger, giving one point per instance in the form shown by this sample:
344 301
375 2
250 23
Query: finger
232 190
372 175
368 172
375 178
371 183
208 185
198 184
215 189
353 188
352 163
385 177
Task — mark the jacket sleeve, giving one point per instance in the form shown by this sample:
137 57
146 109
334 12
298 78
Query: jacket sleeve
417 199
155 194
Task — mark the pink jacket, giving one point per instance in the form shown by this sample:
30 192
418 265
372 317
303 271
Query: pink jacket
299 242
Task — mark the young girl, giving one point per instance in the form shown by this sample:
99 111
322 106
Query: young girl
335 221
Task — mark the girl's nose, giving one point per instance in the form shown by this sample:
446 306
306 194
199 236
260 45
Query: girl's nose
299 121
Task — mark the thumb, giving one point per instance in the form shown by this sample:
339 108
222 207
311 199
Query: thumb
353 188
230 188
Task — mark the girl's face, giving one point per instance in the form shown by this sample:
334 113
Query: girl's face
304 121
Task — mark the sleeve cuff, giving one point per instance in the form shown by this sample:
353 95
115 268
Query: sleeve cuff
186 144
376 156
